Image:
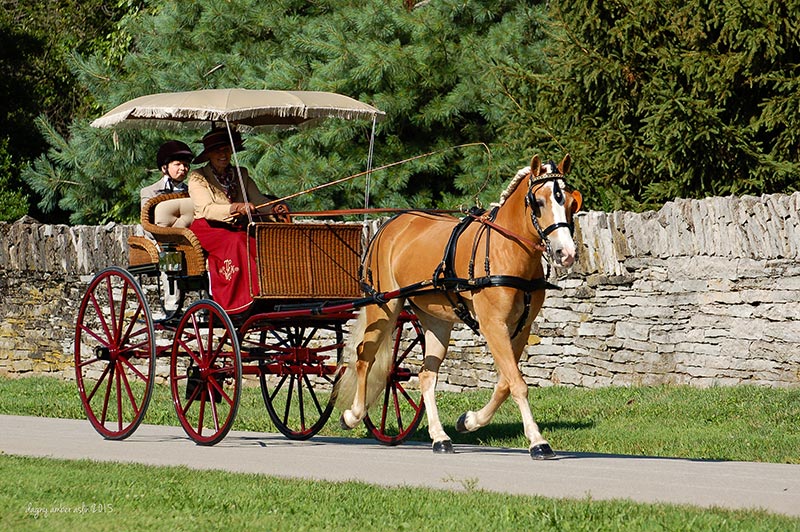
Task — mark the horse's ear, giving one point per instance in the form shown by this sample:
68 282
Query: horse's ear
577 201
536 165
566 165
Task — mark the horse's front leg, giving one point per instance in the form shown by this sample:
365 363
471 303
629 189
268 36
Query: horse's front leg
507 361
437 336
506 353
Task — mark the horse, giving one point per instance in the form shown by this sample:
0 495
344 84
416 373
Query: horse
421 250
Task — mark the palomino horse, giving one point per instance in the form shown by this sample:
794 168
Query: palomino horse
533 216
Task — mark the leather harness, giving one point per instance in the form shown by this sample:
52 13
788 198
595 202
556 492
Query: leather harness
445 279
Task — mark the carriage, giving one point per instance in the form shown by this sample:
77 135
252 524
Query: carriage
292 341
314 279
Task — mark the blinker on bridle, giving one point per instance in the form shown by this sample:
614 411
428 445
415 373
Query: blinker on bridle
558 195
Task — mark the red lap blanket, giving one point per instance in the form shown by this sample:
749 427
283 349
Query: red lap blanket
228 263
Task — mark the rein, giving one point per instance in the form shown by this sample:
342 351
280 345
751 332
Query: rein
538 246
344 212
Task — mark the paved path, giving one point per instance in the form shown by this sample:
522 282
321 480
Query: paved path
774 487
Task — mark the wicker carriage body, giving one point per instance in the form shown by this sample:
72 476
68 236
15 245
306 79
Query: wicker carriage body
294 260
308 260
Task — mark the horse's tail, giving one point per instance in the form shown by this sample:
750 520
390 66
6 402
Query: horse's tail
345 389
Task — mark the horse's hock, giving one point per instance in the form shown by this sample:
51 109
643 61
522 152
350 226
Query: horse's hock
701 292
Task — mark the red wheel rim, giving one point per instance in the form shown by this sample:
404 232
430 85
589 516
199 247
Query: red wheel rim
206 372
115 353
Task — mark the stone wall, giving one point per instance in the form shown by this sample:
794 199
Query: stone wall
44 270
701 292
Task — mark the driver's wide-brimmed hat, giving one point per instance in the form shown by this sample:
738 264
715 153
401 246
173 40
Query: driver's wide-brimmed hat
217 138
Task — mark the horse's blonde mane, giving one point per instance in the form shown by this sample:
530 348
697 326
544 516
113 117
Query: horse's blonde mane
521 174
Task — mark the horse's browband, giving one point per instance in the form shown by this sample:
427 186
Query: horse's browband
550 176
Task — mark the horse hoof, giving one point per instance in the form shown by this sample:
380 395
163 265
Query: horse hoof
543 451
443 447
461 424
344 425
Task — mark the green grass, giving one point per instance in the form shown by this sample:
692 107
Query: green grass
742 423
46 494
735 423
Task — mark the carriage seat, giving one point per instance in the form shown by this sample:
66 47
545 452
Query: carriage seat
167 217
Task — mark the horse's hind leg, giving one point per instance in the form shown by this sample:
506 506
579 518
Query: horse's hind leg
471 421
381 320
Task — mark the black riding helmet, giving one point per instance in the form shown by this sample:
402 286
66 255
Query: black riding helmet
173 150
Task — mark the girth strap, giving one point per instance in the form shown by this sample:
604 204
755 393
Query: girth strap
445 268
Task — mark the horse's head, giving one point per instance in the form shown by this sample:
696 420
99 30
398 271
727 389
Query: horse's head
553 203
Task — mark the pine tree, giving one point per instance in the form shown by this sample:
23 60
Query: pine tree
669 99
427 69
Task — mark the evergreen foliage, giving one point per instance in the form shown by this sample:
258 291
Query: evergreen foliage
668 98
38 38
654 99
425 68
13 203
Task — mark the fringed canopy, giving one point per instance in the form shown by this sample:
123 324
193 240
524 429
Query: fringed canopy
253 109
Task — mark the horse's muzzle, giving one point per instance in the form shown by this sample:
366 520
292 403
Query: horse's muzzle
564 256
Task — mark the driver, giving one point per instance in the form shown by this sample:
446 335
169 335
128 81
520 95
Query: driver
216 192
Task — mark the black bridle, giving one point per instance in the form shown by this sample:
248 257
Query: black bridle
558 195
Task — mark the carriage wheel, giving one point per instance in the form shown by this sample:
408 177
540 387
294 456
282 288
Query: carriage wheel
115 353
206 372
298 368
399 415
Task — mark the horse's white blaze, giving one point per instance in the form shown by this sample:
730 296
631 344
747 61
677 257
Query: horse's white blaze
561 239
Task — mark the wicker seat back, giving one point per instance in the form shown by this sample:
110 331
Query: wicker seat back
179 238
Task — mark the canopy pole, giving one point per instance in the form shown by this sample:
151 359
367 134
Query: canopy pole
239 171
369 164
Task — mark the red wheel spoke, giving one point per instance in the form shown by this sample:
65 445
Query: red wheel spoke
398 415
213 405
289 394
108 394
134 369
219 389
113 309
99 381
313 394
301 404
119 397
123 376
103 323
101 341
205 373
188 350
202 415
